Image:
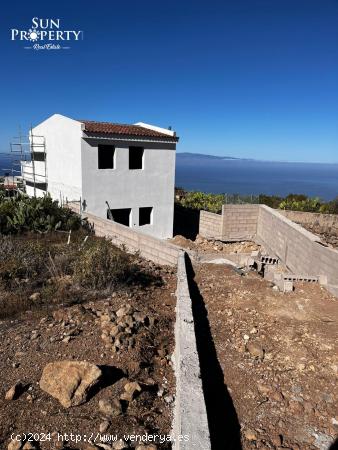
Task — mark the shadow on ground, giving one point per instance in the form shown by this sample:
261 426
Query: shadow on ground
334 446
110 375
222 417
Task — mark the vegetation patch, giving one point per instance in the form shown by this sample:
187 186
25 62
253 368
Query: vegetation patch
214 202
22 213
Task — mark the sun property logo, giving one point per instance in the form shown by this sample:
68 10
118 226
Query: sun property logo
45 34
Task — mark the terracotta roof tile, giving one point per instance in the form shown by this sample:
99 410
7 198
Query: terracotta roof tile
123 129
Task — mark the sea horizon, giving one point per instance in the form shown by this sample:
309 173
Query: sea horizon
254 177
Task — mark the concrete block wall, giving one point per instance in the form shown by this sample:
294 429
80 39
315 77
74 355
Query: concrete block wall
154 249
287 240
301 251
239 222
325 262
210 224
149 247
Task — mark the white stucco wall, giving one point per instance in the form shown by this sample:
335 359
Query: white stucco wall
72 173
38 192
63 156
152 186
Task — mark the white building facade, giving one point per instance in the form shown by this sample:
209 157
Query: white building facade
124 173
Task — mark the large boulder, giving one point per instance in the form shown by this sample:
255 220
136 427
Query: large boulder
69 381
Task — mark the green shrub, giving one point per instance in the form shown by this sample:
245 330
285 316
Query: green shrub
22 213
303 204
200 200
330 207
296 202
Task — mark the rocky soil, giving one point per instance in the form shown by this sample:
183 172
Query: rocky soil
204 245
278 354
329 235
100 368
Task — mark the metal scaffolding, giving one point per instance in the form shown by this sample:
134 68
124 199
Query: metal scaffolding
26 154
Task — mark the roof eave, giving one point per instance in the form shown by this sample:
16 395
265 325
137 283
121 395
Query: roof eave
125 137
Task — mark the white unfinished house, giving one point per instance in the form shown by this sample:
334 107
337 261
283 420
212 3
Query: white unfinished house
125 173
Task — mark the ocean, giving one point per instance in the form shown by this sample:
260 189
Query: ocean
249 177
246 177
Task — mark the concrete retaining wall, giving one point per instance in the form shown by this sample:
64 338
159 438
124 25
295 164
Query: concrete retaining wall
210 224
190 415
149 247
239 222
287 240
301 251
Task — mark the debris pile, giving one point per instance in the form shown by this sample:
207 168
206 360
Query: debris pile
119 328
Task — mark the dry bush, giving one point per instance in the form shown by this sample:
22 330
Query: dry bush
63 273
101 265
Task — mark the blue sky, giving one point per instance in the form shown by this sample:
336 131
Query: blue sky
245 78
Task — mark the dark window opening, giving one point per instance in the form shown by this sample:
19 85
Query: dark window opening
121 216
41 186
145 216
136 157
106 156
38 156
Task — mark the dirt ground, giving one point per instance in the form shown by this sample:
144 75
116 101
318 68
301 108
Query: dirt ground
32 339
204 245
278 355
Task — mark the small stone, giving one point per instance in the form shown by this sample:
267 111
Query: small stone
168 398
14 392
121 312
255 350
246 337
110 408
104 426
130 389
35 334
114 331
14 445
29 446
66 339
120 445
276 396
250 435
263 388
34 297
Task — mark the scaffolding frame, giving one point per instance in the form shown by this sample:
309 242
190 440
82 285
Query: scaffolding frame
23 149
